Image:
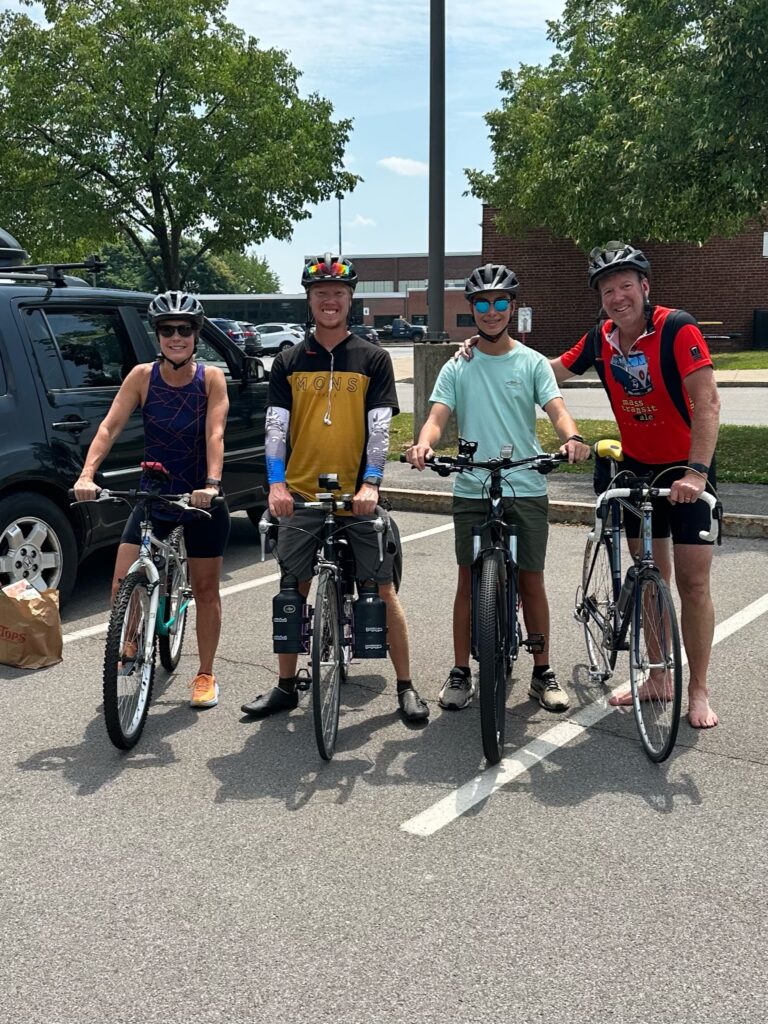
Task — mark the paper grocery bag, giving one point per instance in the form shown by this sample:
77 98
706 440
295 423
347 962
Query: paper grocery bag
30 627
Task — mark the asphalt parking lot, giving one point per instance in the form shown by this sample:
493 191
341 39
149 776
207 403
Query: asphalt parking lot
222 872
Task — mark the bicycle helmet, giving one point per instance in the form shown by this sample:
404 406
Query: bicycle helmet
492 277
616 256
174 305
329 268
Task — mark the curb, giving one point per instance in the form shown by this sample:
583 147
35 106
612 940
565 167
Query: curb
579 512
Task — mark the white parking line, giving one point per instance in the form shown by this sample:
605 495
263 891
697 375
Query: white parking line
238 588
484 785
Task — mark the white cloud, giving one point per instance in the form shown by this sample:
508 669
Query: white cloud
404 166
361 222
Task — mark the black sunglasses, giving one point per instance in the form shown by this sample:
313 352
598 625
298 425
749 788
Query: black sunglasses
168 330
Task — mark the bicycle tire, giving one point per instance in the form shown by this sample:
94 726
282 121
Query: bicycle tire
598 604
492 654
128 682
169 646
326 665
655 639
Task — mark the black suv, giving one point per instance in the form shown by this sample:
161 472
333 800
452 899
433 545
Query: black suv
65 348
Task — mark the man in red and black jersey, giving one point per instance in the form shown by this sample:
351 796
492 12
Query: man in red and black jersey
330 403
657 372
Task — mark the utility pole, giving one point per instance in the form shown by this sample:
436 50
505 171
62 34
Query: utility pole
436 262
341 251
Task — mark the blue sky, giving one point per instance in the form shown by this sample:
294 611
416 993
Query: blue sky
371 59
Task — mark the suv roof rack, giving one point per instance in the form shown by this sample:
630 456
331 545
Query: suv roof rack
52 272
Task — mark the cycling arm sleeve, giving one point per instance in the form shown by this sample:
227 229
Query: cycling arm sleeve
377 448
276 443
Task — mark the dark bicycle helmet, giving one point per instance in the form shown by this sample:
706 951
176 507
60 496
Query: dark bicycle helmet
616 256
174 305
329 268
492 277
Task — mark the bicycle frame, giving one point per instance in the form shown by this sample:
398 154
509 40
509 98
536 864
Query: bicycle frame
151 550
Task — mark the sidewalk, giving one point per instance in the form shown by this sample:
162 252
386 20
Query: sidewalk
572 499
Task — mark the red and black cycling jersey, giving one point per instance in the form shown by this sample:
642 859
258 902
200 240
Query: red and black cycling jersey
329 396
645 387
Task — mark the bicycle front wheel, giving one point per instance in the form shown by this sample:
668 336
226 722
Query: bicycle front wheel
326 665
128 669
655 669
493 654
176 603
596 608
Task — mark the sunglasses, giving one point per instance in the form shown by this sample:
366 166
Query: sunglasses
483 305
324 270
168 330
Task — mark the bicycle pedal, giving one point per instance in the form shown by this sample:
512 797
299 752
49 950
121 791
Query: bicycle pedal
303 679
534 643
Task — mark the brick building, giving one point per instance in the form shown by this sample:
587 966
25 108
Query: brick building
723 281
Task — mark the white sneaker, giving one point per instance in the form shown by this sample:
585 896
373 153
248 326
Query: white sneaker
458 690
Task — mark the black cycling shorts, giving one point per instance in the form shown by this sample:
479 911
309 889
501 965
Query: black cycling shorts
682 521
204 538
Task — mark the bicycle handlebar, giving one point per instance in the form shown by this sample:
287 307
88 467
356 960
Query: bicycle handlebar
444 465
643 490
133 495
380 524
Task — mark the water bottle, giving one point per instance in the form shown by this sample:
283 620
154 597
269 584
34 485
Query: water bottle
626 590
370 623
288 635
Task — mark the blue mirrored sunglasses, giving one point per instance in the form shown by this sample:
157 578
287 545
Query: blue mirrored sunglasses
483 305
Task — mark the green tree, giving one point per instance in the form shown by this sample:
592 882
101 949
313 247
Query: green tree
649 122
228 273
156 121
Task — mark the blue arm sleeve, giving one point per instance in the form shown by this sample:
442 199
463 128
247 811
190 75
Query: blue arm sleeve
377 448
276 443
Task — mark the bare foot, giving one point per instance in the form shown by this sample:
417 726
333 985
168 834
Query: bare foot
700 714
647 691
621 700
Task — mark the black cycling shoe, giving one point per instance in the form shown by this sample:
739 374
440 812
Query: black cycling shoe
270 703
413 707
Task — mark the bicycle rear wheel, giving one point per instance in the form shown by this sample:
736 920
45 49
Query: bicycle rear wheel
326 665
596 608
493 654
176 603
655 669
128 671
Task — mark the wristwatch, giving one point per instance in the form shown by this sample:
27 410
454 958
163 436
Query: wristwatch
373 481
575 437
699 467
211 481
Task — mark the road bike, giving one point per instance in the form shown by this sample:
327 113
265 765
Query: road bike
327 631
149 612
496 633
636 615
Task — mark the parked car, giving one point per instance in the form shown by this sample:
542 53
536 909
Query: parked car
252 338
65 348
276 337
232 330
401 330
364 331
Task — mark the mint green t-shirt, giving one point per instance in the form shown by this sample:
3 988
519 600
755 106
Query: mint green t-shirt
495 399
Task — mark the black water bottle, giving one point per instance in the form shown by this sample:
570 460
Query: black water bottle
288 618
370 623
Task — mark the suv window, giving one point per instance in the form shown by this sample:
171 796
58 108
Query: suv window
93 346
206 353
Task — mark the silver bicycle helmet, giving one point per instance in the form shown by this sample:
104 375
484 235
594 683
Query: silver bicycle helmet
616 256
492 277
172 305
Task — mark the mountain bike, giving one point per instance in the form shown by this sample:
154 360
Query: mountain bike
636 615
150 611
496 632
328 628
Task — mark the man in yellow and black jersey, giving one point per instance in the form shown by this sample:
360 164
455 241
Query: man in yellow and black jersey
330 403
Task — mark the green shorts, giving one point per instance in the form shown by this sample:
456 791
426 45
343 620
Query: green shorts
529 516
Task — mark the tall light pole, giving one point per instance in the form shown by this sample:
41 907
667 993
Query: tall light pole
341 251
436 262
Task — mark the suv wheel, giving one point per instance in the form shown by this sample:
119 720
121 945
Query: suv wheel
37 544
284 345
